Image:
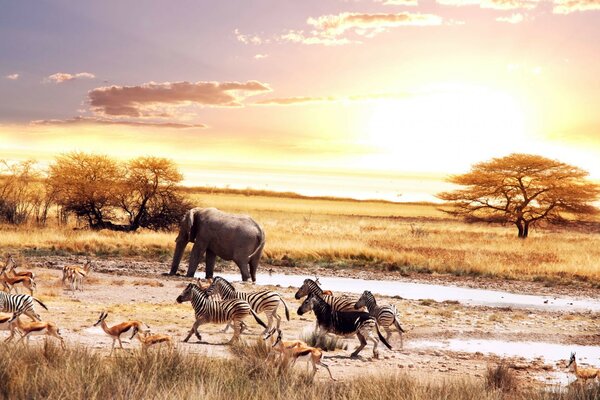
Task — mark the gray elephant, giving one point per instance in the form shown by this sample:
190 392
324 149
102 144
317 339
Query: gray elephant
216 233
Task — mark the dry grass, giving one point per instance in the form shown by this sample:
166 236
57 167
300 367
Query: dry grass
148 282
42 371
338 234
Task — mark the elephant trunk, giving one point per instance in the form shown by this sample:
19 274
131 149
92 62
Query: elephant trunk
179 248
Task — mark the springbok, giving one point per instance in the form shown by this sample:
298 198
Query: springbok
148 340
582 373
11 266
48 329
11 283
284 349
116 331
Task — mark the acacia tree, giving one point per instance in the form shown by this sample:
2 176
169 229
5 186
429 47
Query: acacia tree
522 189
22 193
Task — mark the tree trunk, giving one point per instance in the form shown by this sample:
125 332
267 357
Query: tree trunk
525 230
521 229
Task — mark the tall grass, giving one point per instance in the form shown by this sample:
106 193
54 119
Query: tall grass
80 373
392 237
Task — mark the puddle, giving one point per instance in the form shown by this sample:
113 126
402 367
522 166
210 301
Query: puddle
550 352
416 291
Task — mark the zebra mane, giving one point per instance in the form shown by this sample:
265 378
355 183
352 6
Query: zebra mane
224 282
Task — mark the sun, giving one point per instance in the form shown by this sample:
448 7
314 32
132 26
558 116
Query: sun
441 121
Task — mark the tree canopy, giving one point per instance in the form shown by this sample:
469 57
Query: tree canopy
522 189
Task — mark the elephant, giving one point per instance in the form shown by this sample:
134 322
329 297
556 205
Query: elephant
217 233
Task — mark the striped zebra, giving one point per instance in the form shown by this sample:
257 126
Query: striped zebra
344 323
338 303
386 315
216 312
265 301
19 304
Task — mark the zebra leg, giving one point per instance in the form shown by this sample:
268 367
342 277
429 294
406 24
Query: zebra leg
194 330
226 327
363 343
33 315
243 326
236 332
388 332
369 334
269 323
277 317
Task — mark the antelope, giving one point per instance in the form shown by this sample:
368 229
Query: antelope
11 266
76 274
148 340
285 346
116 331
302 352
5 325
38 328
10 283
582 373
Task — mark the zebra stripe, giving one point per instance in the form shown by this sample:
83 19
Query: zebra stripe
386 315
337 303
19 304
210 311
265 301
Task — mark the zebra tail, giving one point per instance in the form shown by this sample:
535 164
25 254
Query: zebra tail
397 325
40 303
287 312
260 322
381 337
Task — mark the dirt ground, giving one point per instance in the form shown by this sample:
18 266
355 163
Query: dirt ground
136 290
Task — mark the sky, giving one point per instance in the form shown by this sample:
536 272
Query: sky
359 98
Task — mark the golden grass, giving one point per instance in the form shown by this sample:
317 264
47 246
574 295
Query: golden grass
395 237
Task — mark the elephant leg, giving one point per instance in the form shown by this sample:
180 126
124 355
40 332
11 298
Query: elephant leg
198 250
243 266
211 258
253 267
179 249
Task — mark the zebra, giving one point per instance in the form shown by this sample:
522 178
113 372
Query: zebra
338 303
385 315
19 304
265 301
344 323
207 310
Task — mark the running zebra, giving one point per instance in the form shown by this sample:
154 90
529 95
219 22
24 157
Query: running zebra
265 301
19 304
338 303
344 323
386 315
216 312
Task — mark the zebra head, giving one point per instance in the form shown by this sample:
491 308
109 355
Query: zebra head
103 316
218 285
309 286
365 298
308 304
189 292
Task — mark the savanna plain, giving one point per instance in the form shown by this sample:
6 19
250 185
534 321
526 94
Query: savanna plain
309 237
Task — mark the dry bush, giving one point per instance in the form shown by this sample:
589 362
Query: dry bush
147 282
500 377
117 282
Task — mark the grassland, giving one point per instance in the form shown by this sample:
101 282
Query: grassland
41 372
350 234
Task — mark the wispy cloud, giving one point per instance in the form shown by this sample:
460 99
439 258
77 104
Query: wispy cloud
398 2
152 99
494 4
570 6
61 77
300 100
249 39
105 121
260 56
12 77
512 19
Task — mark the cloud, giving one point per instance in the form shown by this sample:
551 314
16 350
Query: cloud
260 56
249 39
299 100
513 19
103 121
493 4
61 77
156 99
12 77
569 6
398 2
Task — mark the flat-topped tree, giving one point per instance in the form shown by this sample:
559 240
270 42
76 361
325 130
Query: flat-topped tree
522 189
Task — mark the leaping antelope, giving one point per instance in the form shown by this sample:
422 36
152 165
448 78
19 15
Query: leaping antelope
38 328
148 340
302 352
285 346
582 373
116 331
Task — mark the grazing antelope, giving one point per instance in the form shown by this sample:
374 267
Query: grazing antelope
5 325
302 352
19 304
386 315
265 301
148 340
216 312
116 331
284 349
582 374
48 329
11 283
11 266
344 323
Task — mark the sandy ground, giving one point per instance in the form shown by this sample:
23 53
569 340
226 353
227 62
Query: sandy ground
136 290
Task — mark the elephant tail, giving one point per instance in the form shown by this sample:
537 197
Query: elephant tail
287 312
260 321
262 241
